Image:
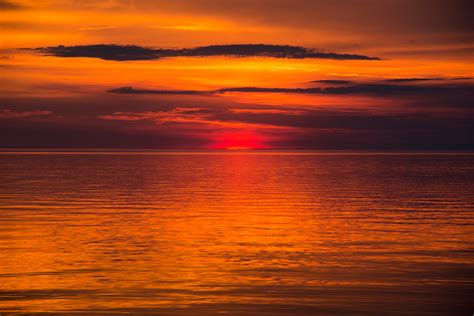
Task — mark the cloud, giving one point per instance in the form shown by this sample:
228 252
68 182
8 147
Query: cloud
8 5
322 119
102 51
212 116
130 90
386 89
369 89
179 115
271 90
332 81
114 121
266 111
263 50
133 52
425 79
97 28
412 79
15 114
321 128
176 114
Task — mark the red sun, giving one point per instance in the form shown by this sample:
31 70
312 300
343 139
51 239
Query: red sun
238 140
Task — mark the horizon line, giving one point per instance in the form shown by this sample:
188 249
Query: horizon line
227 151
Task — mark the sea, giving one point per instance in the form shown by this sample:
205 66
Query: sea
121 232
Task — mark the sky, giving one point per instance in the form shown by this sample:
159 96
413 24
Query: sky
237 74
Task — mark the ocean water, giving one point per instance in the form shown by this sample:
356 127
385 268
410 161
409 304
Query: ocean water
236 233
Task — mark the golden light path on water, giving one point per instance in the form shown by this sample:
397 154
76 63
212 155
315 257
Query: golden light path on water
203 233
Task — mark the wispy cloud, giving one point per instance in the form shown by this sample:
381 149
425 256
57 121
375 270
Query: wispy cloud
18 114
309 120
133 52
97 28
176 114
202 116
267 111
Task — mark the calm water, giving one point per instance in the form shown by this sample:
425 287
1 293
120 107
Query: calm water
236 233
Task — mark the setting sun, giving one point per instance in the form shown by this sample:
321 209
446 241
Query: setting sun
232 140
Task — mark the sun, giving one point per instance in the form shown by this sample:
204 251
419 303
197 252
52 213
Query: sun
238 140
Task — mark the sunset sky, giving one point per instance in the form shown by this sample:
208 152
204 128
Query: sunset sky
228 74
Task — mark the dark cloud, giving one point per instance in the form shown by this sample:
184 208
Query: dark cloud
132 52
111 120
107 52
388 89
425 79
41 135
413 79
370 89
276 51
130 90
271 90
345 120
333 128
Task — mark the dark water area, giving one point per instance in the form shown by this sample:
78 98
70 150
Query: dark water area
236 233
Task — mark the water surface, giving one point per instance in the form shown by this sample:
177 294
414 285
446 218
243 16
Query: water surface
245 233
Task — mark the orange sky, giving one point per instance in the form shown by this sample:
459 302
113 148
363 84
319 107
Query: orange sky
51 101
